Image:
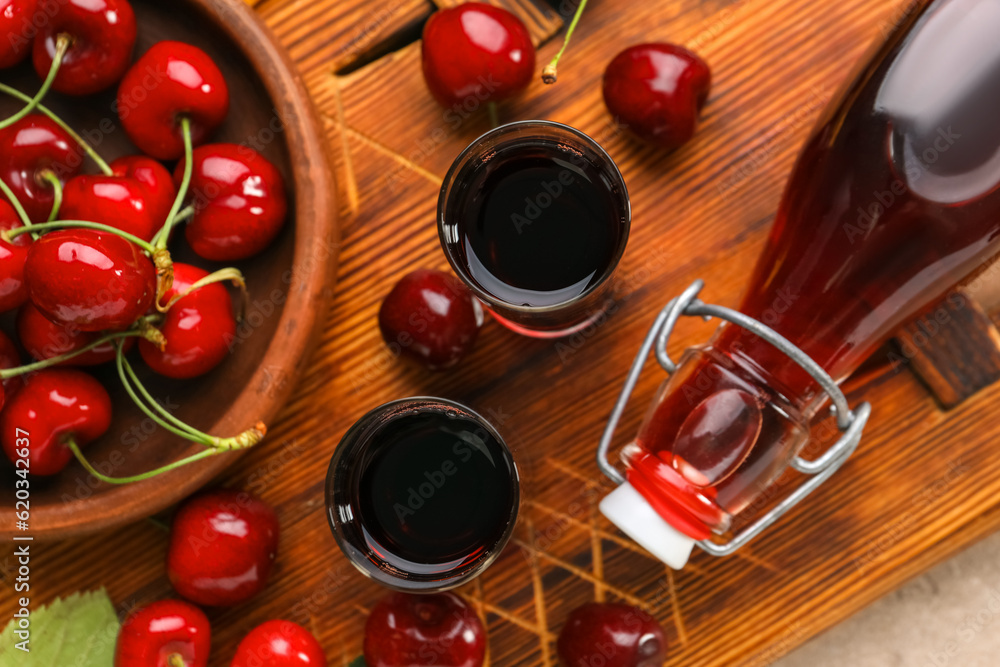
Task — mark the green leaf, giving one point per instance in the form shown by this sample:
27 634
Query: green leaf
358 662
78 631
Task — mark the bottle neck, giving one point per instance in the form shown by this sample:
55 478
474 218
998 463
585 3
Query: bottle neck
765 366
719 432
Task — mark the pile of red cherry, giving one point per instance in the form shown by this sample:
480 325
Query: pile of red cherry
477 52
84 257
222 548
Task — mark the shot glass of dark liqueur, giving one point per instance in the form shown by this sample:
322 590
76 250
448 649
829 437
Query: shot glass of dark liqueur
422 494
534 217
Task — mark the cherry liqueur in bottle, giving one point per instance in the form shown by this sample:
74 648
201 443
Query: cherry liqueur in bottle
893 200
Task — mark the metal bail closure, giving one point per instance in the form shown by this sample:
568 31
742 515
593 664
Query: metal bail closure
851 423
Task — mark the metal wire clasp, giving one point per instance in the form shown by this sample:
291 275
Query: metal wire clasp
851 423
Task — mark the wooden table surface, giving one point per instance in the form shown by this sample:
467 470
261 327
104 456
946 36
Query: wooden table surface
924 484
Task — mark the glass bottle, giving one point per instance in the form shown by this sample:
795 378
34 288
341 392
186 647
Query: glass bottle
893 200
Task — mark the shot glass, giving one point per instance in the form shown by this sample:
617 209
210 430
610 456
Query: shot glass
422 494
534 217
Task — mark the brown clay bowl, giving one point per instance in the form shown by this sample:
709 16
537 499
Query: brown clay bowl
289 283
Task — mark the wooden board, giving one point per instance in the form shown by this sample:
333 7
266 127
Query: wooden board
924 484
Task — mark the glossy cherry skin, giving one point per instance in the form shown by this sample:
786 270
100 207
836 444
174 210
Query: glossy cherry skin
158 634
17 30
222 547
657 91
9 358
155 177
430 316
239 202
90 280
113 201
54 404
474 53
30 147
440 629
171 80
199 327
13 291
614 635
44 339
103 34
137 198
279 644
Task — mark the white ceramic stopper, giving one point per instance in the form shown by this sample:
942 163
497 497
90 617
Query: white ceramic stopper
627 509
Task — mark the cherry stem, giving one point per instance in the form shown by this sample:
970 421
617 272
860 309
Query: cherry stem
164 272
164 233
50 177
248 438
185 213
175 660
181 217
21 213
222 275
80 224
162 525
181 429
549 74
14 92
63 42
55 361
203 454
491 109
152 334
161 256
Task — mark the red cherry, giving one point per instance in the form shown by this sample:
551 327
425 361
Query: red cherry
17 29
154 176
431 316
9 358
103 35
279 644
222 547
13 291
169 81
44 339
657 91
29 148
89 280
168 633
440 629
122 200
56 404
614 635
198 328
475 53
239 202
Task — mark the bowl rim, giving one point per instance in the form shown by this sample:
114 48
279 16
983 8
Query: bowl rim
316 247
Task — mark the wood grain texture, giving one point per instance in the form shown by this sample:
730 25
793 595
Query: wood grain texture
924 483
334 35
984 286
954 348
